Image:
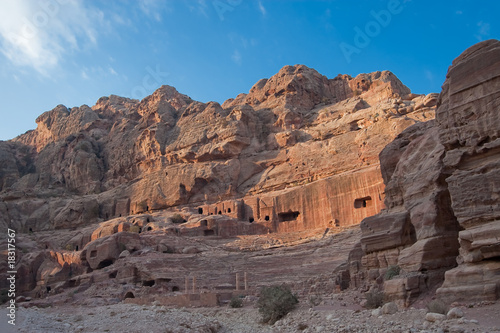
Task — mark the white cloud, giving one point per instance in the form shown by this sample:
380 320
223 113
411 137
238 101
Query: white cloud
39 34
84 74
112 71
483 30
262 8
153 8
459 12
201 8
236 57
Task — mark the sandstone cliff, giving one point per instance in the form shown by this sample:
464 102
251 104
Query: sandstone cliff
83 165
442 195
93 191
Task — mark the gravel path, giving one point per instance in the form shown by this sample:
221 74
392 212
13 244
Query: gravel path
133 318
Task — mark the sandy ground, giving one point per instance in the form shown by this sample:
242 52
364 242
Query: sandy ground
340 313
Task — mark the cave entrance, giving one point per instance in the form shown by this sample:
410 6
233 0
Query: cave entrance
288 216
175 288
148 283
200 210
209 232
129 295
105 263
363 202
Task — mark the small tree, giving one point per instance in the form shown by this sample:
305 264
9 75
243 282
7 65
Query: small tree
236 302
391 272
275 302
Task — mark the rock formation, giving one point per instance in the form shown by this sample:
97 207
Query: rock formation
299 152
442 199
128 194
265 149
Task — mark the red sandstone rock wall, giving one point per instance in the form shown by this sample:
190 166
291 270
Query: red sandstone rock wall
469 122
83 165
442 195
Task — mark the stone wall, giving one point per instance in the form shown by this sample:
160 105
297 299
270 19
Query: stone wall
442 195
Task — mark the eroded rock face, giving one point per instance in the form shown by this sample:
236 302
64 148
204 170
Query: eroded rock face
469 121
299 152
442 198
122 156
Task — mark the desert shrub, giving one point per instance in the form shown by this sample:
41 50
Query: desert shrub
68 247
315 300
374 299
134 228
437 306
177 218
236 302
275 302
392 271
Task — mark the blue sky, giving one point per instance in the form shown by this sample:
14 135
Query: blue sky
72 52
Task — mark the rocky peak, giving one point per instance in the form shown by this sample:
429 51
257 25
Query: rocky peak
300 88
114 105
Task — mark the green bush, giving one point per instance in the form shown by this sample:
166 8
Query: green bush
177 218
437 306
374 299
134 228
275 302
236 302
392 271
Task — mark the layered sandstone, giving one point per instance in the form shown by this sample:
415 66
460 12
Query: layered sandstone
126 182
83 165
441 195
469 123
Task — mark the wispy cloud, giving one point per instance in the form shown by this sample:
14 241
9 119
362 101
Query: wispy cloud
152 8
84 74
39 34
429 76
236 57
262 8
483 30
200 7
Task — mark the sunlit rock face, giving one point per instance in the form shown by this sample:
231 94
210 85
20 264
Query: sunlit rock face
100 195
298 143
